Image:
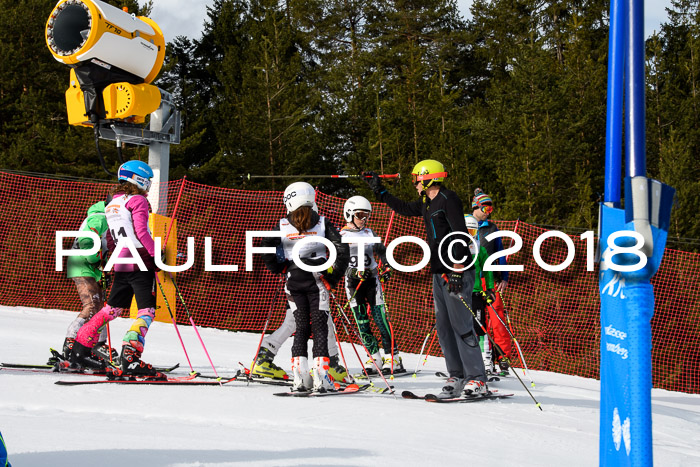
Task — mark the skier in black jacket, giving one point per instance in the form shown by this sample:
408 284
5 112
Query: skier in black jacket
442 214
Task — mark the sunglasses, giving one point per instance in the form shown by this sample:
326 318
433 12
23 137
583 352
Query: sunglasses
487 209
362 214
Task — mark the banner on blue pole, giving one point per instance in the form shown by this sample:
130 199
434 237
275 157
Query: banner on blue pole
627 306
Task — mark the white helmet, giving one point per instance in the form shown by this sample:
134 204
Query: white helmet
299 194
471 221
356 203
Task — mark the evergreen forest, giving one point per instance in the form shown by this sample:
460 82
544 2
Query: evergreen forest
512 100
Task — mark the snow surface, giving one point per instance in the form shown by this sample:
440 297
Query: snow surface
108 425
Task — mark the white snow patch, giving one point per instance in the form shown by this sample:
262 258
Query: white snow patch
114 425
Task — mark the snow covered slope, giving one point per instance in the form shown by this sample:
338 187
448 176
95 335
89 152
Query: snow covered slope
238 424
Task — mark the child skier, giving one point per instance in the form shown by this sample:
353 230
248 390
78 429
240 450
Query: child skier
480 296
306 290
364 288
86 272
265 367
127 217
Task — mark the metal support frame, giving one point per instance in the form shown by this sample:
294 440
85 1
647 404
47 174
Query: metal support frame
162 130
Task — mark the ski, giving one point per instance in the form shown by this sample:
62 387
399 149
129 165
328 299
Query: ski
64 369
349 389
244 379
434 398
440 374
48 370
22 366
183 381
399 374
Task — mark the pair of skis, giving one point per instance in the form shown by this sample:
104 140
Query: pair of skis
491 378
342 390
434 398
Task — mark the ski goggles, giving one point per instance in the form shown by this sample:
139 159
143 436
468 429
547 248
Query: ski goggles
486 209
473 232
142 182
362 214
418 178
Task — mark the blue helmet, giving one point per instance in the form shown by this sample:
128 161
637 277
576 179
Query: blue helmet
136 172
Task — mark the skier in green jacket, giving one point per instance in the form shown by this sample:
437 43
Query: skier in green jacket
86 272
481 296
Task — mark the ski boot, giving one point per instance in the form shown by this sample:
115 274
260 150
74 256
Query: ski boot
302 378
322 380
338 372
104 352
394 365
68 347
132 366
62 360
504 366
373 363
476 388
488 366
81 357
452 389
264 368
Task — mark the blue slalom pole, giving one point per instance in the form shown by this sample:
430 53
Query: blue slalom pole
613 127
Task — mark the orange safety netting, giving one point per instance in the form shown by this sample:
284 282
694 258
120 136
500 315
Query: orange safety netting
555 315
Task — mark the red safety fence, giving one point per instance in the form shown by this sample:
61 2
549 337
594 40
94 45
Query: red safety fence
555 315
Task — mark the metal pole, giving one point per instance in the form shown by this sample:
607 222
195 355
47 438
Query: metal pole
159 157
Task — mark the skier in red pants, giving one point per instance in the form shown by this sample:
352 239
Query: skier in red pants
482 207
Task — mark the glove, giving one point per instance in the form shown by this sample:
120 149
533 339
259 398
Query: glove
489 296
106 281
374 182
454 284
354 273
385 275
330 277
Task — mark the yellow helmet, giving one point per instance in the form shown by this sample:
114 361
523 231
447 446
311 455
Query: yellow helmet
428 172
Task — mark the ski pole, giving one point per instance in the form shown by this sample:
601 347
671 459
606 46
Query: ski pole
172 318
251 176
422 348
357 336
522 359
267 321
430 348
359 359
517 345
177 289
103 284
391 329
340 350
476 318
